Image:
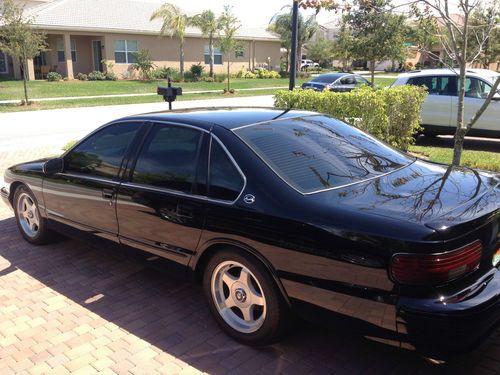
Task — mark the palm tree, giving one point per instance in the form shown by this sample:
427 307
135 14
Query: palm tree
174 24
209 26
280 25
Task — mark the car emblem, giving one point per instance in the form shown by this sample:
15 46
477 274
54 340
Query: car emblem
249 199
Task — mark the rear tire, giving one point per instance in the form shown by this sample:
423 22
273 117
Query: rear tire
31 224
244 299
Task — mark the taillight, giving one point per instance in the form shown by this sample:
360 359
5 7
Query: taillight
436 269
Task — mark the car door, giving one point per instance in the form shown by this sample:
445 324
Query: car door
476 91
83 195
160 207
345 84
437 107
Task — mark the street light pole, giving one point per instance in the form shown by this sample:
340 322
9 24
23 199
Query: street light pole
293 57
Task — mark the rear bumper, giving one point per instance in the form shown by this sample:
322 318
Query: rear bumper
4 194
440 328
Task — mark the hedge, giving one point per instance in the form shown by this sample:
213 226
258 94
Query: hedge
392 115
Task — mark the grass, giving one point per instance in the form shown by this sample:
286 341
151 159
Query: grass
43 89
474 159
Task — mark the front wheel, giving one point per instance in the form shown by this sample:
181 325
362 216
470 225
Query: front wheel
29 221
244 298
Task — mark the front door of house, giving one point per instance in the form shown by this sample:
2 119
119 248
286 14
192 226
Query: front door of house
97 54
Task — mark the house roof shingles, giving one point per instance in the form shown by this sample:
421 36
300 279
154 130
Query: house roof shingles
121 16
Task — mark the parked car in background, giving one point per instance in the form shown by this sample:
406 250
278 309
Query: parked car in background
439 111
306 63
274 211
338 82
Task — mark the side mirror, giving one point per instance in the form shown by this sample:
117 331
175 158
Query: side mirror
53 166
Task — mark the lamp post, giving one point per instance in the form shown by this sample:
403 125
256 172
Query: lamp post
293 57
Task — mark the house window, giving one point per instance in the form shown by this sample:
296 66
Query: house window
217 56
3 63
125 51
239 54
60 50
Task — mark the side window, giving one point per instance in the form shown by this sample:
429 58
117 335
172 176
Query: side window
475 88
349 80
225 181
102 153
436 85
360 81
169 158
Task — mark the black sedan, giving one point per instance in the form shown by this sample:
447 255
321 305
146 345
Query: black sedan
337 82
280 211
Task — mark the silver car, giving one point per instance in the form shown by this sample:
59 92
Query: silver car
439 111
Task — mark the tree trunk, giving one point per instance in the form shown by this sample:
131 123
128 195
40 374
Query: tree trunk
228 60
211 53
181 60
372 72
25 78
461 126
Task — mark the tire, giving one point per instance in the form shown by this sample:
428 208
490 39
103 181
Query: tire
31 224
244 299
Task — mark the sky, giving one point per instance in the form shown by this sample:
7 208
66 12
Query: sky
254 13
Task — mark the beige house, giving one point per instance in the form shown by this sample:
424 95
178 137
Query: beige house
82 33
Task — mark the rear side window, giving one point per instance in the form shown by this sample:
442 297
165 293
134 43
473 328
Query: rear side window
225 181
436 85
317 153
102 153
169 158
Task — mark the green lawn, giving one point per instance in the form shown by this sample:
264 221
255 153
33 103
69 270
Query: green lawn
44 89
475 159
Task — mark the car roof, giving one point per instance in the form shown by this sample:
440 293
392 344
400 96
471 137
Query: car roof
228 117
478 72
332 76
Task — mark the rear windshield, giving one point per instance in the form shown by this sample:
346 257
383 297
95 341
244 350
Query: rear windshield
317 153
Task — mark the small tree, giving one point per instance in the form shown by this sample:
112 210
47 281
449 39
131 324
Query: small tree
455 37
143 64
227 41
17 38
321 50
209 26
174 24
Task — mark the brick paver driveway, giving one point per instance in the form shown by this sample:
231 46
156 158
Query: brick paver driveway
69 307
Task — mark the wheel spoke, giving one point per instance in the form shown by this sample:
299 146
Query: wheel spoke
228 279
247 313
257 299
245 277
230 301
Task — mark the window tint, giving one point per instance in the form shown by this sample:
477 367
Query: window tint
349 80
436 85
360 81
317 152
326 78
225 180
102 153
169 158
475 88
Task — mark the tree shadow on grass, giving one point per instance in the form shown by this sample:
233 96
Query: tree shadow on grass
143 298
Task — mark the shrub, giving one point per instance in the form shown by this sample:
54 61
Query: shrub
220 77
110 76
196 70
188 76
143 64
208 79
54 77
82 77
96 76
392 115
264 73
303 74
164 72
